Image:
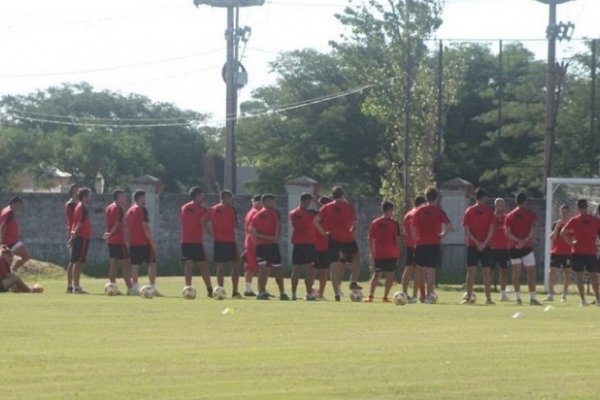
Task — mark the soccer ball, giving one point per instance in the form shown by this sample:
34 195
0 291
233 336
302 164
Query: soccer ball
110 289
147 292
433 298
400 298
356 295
466 297
188 293
219 293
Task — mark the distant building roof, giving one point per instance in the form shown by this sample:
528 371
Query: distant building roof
456 184
302 181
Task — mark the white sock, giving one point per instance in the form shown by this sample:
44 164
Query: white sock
152 286
532 295
248 287
503 293
518 295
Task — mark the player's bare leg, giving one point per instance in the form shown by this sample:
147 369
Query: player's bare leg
595 286
553 274
235 277
567 278
220 274
532 283
355 270
279 280
112 270
373 286
389 283
419 283
407 274
337 269
323 276
295 278
430 280
76 274
126 266
487 284
70 277
580 287
23 255
263 275
471 274
205 273
135 273
188 271
517 281
309 280
504 275
152 273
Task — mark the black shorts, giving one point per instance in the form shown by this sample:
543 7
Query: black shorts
519 253
322 260
428 255
581 262
304 254
193 252
79 249
268 254
386 265
142 254
118 251
342 251
560 261
225 252
410 257
500 258
476 257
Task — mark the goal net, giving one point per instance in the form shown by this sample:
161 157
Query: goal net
567 191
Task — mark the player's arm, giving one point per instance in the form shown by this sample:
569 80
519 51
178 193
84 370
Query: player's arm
372 244
3 228
471 237
117 225
446 229
489 236
261 236
564 234
317 223
277 229
148 233
555 232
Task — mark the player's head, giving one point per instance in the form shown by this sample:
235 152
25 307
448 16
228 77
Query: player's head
257 201
6 254
338 193
480 195
387 208
563 210
521 199
419 201
432 194
582 206
499 204
73 191
268 200
139 196
305 200
196 194
598 210
324 200
84 195
226 197
16 203
118 196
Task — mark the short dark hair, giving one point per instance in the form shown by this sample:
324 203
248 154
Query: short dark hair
420 200
521 198
73 189
137 194
387 206
431 193
325 200
226 193
267 196
83 192
582 204
338 192
564 207
195 192
16 200
480 193
306 196
257 198
116 193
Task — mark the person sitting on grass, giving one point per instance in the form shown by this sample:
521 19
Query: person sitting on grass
9 281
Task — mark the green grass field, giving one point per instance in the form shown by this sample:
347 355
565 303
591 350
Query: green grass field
58 346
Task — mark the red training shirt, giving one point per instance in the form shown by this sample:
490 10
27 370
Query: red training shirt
478 218
224 222
192 217
249 239
135 218
385 232
69 211
428 221
520 221
407 224
114 214
585 228
499 240
266 222
337 218
304 229
7 217
559 246
81 217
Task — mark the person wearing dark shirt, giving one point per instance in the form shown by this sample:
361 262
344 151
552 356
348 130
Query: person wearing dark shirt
304 254
114 235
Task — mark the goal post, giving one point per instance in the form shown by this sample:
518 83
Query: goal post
565 191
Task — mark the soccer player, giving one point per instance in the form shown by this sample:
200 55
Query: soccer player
303 238
142 247
322 263
8 279
520 227
499 244
384 246
338 220
266 227
114 218
580 233
80 236
249 255
69 209
430 225
560 256
223 218
193 217
410 268
9 232
479 223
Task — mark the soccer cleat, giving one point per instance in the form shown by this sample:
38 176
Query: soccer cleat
337 297
236 295
584 303
519 302
249 293
386 300
368 299
490 302
284 297
563 298
209 292
548 298
309 297
294 298
355 286
262 296
79 291
69 289
504 298
134 291
534 302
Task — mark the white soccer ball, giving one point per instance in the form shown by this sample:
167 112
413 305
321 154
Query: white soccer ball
188 293
400 298
110 289
356 295
433 298
472 299
147 292
219 293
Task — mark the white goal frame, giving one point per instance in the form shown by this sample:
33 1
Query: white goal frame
551 184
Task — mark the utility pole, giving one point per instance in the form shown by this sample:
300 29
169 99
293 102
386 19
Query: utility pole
553 32
440 112
593 111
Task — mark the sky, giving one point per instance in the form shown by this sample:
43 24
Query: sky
171 51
